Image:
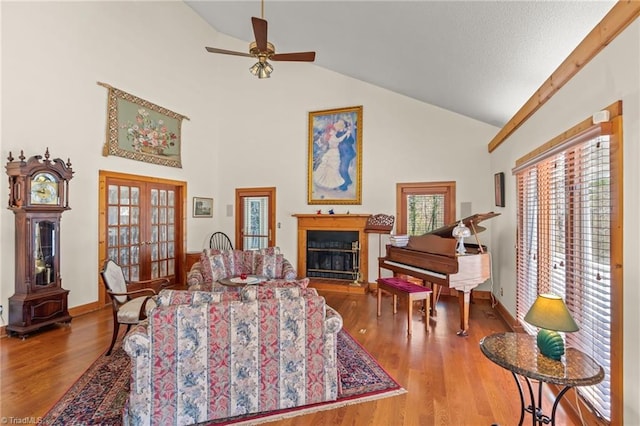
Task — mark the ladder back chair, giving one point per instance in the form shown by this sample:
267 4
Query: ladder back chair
129 305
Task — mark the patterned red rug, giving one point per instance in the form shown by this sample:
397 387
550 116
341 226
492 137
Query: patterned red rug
97 398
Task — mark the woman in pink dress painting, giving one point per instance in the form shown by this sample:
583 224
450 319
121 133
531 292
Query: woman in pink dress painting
327 174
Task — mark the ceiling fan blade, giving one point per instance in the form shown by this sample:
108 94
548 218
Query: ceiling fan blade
260 32
227 52
298 56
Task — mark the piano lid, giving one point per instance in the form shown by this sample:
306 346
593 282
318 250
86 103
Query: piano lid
470 222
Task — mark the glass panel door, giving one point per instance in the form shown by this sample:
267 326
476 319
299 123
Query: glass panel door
141 231
255 228
162 241
255 221
123 228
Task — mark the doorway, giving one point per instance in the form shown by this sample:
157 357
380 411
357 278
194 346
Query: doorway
255 218
141 226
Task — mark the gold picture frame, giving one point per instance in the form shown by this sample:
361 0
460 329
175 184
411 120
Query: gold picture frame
140 130
335 156
202 207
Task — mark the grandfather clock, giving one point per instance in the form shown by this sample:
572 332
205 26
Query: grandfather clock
38 195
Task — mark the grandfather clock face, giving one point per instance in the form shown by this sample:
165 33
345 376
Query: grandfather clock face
44 189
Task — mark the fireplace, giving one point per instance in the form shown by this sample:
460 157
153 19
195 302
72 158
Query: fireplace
333 248
333 254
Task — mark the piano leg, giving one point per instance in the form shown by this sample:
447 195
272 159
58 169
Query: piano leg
435 296
463 301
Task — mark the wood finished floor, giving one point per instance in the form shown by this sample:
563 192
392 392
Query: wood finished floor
448 379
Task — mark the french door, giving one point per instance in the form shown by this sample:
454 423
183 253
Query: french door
141 225
255 218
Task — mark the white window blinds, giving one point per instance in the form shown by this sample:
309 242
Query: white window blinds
565 206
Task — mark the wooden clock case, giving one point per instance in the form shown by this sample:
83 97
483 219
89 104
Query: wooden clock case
39 298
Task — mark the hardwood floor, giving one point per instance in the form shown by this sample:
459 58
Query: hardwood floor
448 379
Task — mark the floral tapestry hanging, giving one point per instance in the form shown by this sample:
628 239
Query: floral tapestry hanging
140 130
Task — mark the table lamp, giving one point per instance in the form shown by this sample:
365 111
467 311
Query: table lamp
551 315
460 232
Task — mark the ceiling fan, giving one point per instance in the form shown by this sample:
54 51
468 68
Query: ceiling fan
263 50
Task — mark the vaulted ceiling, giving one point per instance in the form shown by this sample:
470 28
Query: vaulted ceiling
481 59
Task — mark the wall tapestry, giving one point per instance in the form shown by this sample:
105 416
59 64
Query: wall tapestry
141 130
335 156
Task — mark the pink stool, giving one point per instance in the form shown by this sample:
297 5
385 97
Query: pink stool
405 290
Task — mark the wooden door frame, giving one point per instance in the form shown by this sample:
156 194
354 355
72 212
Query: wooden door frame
269 192
181 221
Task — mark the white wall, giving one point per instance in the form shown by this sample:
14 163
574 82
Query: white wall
245 132
613 75
242 132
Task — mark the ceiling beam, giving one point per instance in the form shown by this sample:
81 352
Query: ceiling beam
623 13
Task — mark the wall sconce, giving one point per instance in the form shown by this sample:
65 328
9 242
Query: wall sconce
551 315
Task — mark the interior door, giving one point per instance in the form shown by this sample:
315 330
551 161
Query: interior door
255 218
142 226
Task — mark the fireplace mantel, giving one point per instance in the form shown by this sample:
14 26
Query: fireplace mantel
334 222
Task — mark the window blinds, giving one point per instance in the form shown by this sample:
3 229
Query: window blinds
564 243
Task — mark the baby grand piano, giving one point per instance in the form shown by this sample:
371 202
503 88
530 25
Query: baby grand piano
432 257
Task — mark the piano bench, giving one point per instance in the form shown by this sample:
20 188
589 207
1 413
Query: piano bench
407 291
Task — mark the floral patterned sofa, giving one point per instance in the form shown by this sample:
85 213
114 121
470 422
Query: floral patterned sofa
217 264
202 356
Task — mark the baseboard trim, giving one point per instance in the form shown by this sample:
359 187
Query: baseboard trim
85 309
74 312
506 316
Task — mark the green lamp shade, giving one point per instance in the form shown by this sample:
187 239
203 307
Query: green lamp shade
550 344
550 314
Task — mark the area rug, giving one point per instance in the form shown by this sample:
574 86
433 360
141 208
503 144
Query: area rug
99 395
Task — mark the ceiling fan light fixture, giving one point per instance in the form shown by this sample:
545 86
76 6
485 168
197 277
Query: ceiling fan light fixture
261 69
255 68
265 71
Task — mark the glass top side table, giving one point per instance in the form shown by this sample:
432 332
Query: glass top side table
518 353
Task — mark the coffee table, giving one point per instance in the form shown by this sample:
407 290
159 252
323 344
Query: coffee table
239 282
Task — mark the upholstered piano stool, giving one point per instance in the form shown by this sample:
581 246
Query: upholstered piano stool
408 291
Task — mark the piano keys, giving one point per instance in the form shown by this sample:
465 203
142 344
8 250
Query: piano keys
432 257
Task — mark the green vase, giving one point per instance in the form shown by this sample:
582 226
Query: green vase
550 344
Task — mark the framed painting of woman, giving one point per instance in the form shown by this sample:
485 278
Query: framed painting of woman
335 156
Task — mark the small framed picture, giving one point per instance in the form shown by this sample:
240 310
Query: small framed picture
202 207
499 188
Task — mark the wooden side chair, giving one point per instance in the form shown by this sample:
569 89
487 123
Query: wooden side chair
129 306
220 241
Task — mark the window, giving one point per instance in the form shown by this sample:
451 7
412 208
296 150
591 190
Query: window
423 207
568 209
